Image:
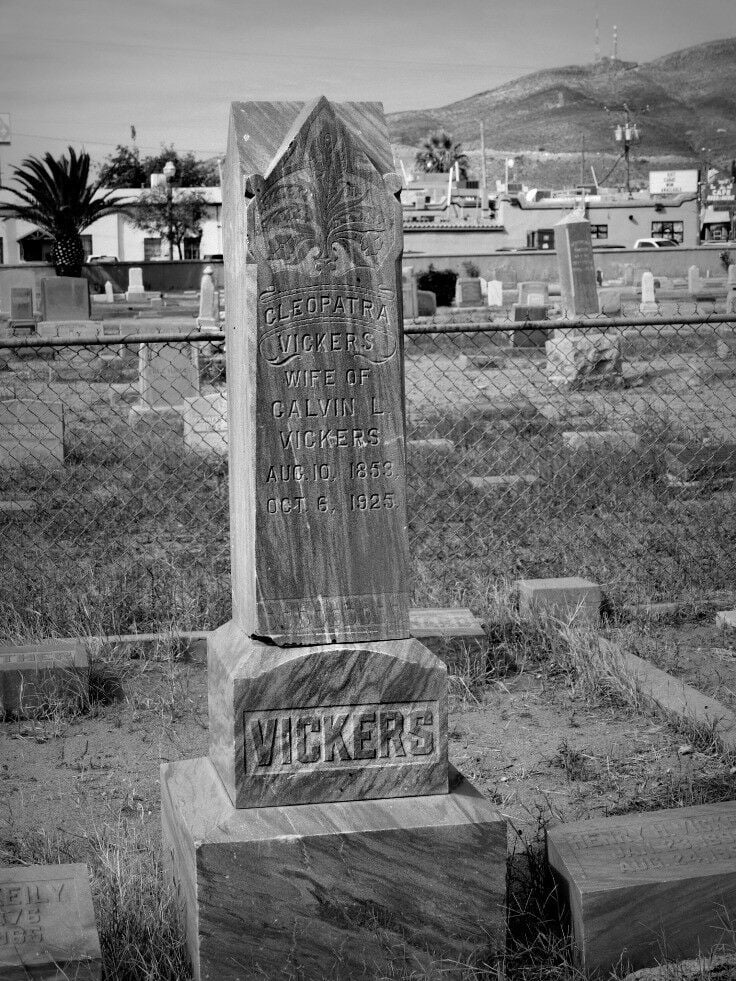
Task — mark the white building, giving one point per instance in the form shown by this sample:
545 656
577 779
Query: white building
115 235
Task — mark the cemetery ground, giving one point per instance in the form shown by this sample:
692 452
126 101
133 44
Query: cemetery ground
546 728
132 536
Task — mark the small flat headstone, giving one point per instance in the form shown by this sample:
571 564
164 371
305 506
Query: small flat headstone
47 924
440 622
494 293
600 440
501 481
28 671
726 619
642 886
562 596
702 463
65 298
430 445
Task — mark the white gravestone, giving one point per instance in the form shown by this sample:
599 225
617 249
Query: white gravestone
648 303
205 424
136 289
209 301
494 293
109 292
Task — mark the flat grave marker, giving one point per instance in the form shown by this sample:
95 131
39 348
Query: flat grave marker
648 887
30 671
560 597
47 924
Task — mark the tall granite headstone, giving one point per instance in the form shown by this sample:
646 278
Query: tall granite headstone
578 286
322 708
65 298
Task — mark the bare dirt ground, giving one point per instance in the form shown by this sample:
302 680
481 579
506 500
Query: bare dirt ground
540 751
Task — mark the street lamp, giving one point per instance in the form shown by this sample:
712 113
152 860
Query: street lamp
169 174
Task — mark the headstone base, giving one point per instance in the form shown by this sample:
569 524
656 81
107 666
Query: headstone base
330 722
342 890
166 418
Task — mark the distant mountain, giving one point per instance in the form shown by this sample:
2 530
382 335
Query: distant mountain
693 89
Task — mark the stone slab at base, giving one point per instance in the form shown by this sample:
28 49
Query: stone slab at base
47 924
165 417
33 673
560 597
340 891
294 725
647 888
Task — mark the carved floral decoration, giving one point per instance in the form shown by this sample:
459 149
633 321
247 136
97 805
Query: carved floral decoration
324 210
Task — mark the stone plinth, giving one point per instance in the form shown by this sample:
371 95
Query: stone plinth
651 887
31 434
560 597
325 723
47 924
343 891
30 673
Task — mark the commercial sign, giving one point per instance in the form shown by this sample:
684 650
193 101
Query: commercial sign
673 181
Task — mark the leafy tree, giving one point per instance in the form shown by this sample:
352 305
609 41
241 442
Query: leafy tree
174 222
57 197
439 153
125 168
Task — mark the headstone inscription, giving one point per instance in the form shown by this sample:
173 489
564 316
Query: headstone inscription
578 286
644 886
47 924
65 298
31 434
318 697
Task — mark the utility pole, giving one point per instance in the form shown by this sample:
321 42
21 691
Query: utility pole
483 175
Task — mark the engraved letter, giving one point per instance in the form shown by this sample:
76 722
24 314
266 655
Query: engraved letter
391 727
304 756
422 743
263 743
364 735
334 725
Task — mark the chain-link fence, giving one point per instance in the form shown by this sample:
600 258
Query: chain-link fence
600 448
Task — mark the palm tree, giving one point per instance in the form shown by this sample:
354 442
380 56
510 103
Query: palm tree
439 154
56 196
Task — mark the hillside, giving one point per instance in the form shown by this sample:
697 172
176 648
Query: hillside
693 89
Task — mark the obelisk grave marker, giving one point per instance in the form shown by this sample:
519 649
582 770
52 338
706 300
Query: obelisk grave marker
321 705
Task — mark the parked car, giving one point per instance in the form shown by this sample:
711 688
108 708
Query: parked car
655 243
99 259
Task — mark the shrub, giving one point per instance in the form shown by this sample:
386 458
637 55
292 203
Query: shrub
441 282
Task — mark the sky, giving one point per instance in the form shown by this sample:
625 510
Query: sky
82 72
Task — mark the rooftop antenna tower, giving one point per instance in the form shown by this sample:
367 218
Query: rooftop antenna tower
597 54
614 56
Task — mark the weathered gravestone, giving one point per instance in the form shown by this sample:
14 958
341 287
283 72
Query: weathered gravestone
533 294
468 292
31 434
109 292
323 710
32 673
494 293
21 307
168 375
65 298
209 301
648 303
644 888
47 924
409 293
578 285
136 289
